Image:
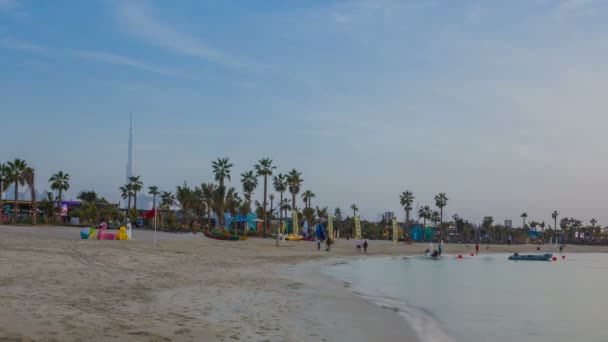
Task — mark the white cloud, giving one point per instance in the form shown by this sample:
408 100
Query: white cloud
139 20
110 58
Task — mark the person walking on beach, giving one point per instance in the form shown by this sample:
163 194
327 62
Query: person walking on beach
328 244
365 246
318 244
477 248
439 249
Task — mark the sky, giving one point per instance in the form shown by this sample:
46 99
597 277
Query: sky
502 105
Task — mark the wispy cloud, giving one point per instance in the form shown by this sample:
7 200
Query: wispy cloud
16 44
139 20
110 58
12 43
8 5
576 4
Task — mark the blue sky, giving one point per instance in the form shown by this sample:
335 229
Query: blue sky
500 104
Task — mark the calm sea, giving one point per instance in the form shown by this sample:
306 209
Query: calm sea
487 297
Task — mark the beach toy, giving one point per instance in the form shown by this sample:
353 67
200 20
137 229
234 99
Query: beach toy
91 233
563 257
103 225
459 256
554 258
84 233
122 234
102 235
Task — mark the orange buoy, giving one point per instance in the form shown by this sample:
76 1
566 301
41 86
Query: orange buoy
554 258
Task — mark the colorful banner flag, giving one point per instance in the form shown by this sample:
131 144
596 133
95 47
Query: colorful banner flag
294 218
395 232
283 227
357 228
330 226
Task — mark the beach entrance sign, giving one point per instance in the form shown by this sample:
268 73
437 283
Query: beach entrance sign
357 228
294 218
395 232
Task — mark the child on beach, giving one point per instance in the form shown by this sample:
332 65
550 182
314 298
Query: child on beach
365 246
328 244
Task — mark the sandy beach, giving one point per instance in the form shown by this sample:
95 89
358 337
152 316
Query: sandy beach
56 287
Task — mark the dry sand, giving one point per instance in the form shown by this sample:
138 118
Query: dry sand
56 287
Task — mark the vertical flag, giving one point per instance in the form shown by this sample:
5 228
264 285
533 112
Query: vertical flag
330 226
357 228
294 218
283 227
395 232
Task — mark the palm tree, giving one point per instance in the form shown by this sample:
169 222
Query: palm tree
554 216
60 182
208 189
167 200
136 185
221 169
523 216
294 181
441 200
425 213
306 197
285 206
250 182
126 192
153 190
407 199
48 203
29 176
271 211
355 209
16 171
264 168
280 186
3 180
593 222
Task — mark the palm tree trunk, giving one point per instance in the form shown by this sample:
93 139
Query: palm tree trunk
280 209
59 205
34 209
265 216
135 202
15 206
441 215
128 204
293 201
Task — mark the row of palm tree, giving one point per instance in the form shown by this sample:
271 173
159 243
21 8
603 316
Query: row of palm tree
406 198
130 190
19 173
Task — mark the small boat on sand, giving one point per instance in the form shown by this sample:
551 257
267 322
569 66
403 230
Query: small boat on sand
531 257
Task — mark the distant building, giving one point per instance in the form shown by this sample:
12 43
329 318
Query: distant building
508 223
389 215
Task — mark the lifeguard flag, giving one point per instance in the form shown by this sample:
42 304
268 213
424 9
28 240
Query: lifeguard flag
150 214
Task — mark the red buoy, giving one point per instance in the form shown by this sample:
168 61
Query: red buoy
472 254
459 256
563 257
554 258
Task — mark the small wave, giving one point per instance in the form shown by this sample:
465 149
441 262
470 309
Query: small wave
426 327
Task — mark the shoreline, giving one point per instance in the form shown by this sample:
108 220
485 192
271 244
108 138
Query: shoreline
335 313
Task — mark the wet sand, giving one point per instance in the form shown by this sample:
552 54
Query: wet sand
56 287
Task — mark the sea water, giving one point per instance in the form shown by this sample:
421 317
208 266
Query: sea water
487 297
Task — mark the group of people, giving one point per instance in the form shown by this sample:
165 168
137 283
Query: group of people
328 243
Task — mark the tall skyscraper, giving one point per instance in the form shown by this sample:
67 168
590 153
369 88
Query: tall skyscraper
130 162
